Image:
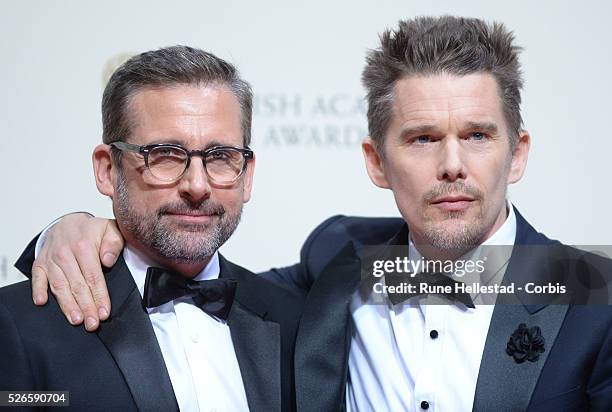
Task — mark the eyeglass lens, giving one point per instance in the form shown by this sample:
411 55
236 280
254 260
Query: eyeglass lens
169 163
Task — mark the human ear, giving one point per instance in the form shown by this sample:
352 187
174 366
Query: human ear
374 163
103 169
519 157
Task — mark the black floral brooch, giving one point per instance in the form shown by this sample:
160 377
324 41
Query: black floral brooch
526 344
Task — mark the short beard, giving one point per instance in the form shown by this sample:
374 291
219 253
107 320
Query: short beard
186 243
465 237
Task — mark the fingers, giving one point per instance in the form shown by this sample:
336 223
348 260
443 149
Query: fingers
89 266
39 285
111 244
68 275
61 290
46 271
69 263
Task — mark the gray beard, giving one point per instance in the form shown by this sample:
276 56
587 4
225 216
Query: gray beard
185 243
465 238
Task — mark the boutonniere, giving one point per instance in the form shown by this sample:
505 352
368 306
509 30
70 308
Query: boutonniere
526 344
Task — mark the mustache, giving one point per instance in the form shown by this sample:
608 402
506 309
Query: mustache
457 188
206 207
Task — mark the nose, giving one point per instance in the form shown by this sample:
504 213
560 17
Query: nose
451 166
194 184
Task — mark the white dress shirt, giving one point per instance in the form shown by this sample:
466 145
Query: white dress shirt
197 348
413 357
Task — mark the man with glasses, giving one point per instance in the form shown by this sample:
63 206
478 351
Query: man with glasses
189 330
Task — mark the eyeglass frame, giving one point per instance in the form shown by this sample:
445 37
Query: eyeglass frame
144 150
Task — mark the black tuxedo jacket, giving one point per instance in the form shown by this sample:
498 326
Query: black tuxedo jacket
120 367
574 372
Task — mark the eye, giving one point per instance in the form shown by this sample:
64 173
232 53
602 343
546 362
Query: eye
477 136
224 156
218 155
422 139
168 152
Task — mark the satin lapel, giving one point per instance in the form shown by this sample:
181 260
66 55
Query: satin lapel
129 337
257 341
257 346
502 383
323 340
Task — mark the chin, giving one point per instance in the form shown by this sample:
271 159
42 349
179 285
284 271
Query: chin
189 228
454 234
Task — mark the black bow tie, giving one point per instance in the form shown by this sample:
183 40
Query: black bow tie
214 296
431 279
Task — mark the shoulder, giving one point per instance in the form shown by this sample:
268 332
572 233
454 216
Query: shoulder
587 334
19 315
586 272
331 236
16 299
362 230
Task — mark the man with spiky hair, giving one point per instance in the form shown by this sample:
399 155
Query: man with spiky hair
446 137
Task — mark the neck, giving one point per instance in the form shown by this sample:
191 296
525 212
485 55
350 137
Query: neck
187 269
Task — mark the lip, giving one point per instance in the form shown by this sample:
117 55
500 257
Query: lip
191 217
453 203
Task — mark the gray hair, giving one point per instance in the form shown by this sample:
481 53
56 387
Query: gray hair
434 45
168 66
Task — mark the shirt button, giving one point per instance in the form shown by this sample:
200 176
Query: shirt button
195 338
424 405
433 334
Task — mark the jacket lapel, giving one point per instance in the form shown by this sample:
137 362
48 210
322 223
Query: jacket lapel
257 341
325 332
129 337
502 383
323 341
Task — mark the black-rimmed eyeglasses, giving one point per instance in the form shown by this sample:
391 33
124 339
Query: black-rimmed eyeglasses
168 162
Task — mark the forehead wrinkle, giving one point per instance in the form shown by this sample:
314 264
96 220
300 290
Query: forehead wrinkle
488 126
186 118
419 129
447 105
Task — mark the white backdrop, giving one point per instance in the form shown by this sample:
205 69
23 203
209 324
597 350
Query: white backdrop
304 61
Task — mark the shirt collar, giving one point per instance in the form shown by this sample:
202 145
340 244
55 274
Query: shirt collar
506 234
138 263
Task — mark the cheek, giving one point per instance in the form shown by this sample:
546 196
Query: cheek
409 178
403 170
231 199
409 182
150 202
408 190
148 199
495 180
